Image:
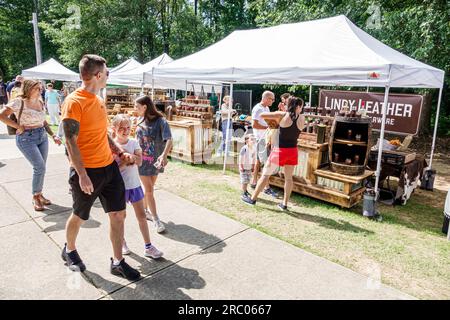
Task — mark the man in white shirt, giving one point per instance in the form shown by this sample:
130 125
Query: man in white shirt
259 130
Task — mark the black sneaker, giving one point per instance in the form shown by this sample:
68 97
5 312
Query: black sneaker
253 186
248 200
73 260
282 207
124 270
246 194
270 192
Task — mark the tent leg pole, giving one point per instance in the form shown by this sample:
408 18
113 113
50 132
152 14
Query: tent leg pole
367 90
435 129
228 130
310 95
380 145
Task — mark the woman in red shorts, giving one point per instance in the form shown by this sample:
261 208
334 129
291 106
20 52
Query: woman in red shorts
284 154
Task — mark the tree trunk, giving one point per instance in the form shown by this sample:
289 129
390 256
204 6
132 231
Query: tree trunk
425 118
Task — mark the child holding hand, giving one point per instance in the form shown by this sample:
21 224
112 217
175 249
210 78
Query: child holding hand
121 126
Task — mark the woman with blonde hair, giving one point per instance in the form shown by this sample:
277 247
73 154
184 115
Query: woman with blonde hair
31 138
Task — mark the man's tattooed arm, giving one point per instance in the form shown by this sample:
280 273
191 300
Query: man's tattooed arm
114 147
71 130
125 157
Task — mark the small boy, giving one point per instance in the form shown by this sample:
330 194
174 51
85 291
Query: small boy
247 160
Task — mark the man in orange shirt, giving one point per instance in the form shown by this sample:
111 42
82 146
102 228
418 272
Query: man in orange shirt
94 173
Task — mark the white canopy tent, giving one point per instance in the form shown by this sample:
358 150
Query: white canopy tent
135 77
51 70
331 51
323 52
125 66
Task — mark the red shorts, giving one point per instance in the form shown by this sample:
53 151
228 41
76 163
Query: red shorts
284 156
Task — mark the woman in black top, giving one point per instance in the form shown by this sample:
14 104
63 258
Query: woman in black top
284 154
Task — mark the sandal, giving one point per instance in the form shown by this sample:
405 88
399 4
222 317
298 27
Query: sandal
37 203
44 200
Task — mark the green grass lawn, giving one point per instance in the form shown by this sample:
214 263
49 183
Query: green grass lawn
54 128
407 250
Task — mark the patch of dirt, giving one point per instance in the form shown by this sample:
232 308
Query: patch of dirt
442 167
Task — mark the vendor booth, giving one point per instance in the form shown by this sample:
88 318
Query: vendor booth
325 52
51 70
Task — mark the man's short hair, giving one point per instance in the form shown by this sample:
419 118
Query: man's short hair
90 65
267 94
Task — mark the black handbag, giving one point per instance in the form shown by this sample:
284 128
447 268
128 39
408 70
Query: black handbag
12 130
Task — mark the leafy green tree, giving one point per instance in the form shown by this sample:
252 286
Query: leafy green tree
17 50
419 29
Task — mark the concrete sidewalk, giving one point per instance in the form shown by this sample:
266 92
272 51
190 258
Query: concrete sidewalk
207 255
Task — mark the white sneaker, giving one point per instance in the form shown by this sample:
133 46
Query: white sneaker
153 253
148 215
125 249
159 226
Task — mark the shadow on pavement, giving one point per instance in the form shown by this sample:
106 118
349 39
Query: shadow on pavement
190 235
166 285
55 208
60 220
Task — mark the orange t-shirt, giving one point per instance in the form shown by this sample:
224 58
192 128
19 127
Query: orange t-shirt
90 111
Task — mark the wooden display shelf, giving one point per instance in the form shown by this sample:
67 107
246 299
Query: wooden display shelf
322 193
194 104
350 142
314 146
192 140
326 173
202 112
347 195
184 118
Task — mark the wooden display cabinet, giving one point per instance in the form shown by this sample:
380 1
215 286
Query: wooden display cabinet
191 127
350 142
192 140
